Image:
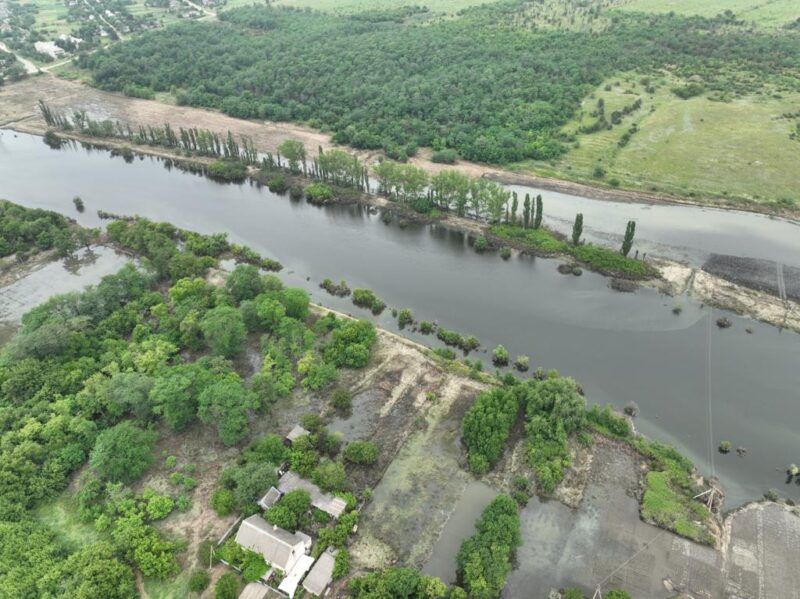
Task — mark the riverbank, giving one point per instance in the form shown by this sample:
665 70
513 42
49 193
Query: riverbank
18 108
670 277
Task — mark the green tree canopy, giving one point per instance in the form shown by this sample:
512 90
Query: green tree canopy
123 452
224 331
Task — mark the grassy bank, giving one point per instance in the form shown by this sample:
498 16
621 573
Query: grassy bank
669 486
715 148
594 257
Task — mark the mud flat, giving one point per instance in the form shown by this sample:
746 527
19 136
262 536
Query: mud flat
425 480
604 542
755 299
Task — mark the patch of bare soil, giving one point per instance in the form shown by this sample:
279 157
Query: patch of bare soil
201 449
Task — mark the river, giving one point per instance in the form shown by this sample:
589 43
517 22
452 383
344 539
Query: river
695 384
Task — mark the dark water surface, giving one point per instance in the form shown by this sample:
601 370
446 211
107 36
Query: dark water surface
620 347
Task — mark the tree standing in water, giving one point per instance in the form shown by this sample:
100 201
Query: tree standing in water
537 222
627 242
577 229
526 211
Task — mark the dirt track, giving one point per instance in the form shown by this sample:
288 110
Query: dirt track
18 109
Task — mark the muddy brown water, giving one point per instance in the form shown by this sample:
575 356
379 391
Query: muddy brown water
621 347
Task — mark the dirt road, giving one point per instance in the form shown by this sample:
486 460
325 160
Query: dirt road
30 68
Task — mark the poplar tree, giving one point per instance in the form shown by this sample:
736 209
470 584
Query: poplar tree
627 242
514 206
539 206
526 211
577 229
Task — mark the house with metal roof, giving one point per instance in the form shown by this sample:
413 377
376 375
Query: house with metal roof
281 549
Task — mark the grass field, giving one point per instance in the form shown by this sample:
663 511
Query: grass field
763 12
61 516
740 150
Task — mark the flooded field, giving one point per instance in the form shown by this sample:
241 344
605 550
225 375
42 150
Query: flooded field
40 282
695 384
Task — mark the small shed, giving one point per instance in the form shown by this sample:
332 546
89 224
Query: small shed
321 574
297 431
270 499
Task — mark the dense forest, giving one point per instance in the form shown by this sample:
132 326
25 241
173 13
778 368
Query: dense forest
492 90
93 379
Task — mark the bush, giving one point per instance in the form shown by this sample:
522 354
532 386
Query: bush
366 298
684 92
228 169
350 344
505 252
296 192
361 452
554 410
481 244
341 565
340 290
500 356
223 502
227 586
278 184
446 156
405 317
425 327
486 426
607 422
725 447
341 399
199 581
269 448
485 559
330 476
522 363
318 193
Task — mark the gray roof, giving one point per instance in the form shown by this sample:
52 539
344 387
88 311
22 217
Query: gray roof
334 506
254 590
297 431
321 574
270 499
279 547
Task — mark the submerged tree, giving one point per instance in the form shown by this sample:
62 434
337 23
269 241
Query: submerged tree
577 229
526 211
295 152
627 242
537 221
